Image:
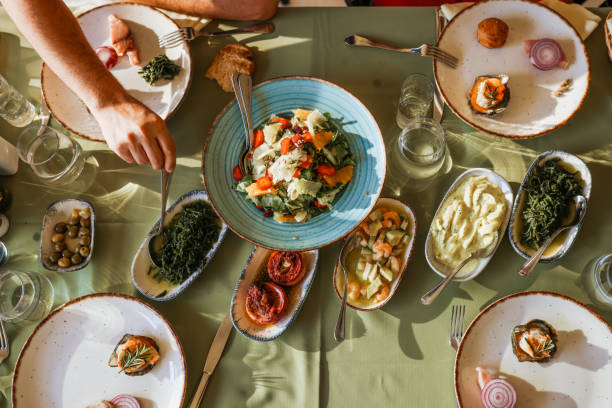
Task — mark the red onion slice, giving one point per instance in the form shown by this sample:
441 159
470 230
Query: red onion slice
498 394
125 401
107 55
545 54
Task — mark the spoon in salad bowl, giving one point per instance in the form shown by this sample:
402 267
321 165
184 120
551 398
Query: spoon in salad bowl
156 240
243 85
433 294
346 249
580 211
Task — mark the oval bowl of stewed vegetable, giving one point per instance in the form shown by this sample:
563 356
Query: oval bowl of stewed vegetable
376 267
544 202
67 236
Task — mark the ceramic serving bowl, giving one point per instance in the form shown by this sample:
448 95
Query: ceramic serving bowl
466 273
563 243
226 140
61 211
142 266
338 276
255 269
532 110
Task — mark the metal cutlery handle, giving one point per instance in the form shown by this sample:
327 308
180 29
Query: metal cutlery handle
533 261
433 294
361 41
199 394
255 28
165 184
242 88
339 332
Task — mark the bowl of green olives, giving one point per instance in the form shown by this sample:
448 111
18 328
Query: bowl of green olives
67 238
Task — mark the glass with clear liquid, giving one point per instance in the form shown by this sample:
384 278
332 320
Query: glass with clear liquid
597 280
415 99
24 296
14 107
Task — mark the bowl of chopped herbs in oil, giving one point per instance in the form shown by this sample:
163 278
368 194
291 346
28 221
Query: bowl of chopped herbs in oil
193 232
544 202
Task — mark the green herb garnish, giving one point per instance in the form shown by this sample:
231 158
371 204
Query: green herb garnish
136 359
187 240
549 198
548 345
158 68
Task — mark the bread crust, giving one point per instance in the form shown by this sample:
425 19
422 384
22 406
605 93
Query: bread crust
232 58
492 32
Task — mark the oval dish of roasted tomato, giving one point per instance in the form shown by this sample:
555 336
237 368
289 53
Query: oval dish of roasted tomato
265 303
285 268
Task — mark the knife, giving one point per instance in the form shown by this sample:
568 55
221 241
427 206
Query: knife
213 357
438 108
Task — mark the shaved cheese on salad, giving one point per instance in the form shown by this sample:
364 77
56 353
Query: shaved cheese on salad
313 120
271 132
299 186
284 167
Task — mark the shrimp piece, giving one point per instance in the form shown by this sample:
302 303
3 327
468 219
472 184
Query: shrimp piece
393 216
395 264
382 294
365 226
381 247
354 290
387 223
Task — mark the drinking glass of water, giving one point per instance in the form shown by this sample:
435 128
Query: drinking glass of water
597 280
14 107
24 296
415 99
52 155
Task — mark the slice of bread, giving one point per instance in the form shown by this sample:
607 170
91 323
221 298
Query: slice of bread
232 58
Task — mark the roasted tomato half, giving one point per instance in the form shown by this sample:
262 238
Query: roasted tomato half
285 268
265 303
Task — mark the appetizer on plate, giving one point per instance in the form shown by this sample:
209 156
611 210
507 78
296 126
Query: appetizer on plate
120 401
489 94
545 54
285 268
135 355
75 234
158 68
122 39
496 392
534 341
492 32
299 164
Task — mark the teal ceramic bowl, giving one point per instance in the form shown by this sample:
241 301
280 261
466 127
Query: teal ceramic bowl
226 140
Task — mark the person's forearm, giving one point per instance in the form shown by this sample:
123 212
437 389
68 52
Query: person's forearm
224 9
57 37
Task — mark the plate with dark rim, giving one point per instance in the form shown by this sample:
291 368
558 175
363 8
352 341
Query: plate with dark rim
65 359
532 110
147 25
578 375
226 140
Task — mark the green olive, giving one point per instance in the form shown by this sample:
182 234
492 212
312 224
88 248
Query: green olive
66 253
63 262
59 246
85 213
60 227
57 238
73 231
84 232
84 251
76 259
85 240
54 257
85 222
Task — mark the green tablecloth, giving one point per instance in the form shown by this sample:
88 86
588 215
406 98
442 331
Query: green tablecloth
397 356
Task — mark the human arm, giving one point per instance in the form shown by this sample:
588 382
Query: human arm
133 131
223 9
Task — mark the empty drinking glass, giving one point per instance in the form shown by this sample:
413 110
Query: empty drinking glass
14 107
52 155
597 280
415 99
24 296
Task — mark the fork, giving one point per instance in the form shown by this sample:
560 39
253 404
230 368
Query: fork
438 106
457 325
175 38
425 50
4 344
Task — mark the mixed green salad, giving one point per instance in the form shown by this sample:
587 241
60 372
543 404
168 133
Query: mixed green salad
299 163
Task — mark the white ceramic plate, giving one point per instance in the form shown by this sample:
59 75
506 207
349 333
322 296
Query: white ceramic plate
577 376
147 24
64 363
466 273
532 110
296 294
141 264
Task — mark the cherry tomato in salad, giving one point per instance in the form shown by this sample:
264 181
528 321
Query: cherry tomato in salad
237 173
317 204
298 140
297 173
258 138
306 163
284 122
264 183
285 268
265 303
326 170
285 145
307 137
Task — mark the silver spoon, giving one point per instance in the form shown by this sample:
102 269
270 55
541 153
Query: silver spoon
580 206
433 294
156 239
346 249
242 84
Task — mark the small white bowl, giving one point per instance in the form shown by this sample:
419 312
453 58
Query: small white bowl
444 270
296 294
61 211
141 264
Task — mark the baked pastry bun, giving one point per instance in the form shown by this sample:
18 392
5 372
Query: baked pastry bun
492 32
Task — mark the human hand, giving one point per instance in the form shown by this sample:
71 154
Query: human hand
136 133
